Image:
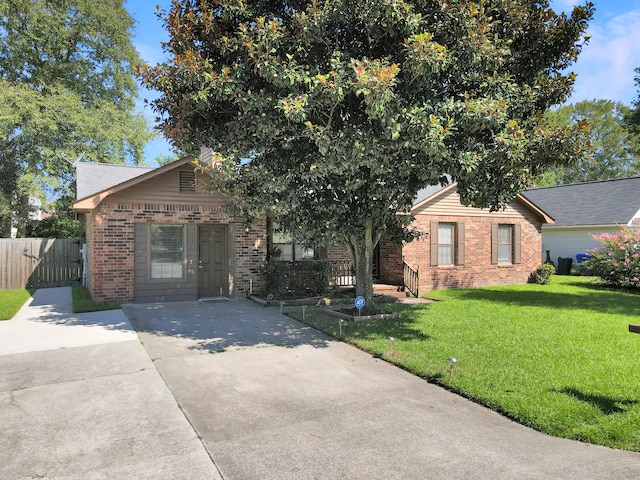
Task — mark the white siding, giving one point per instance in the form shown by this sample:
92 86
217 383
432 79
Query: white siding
568 242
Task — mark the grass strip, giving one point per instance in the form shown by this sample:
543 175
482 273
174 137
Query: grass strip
82 301
12 300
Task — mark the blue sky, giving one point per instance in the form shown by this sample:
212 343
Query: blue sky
605 68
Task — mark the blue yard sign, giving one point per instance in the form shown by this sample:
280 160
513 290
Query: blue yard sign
359 303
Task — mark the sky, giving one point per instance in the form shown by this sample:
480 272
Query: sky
605 68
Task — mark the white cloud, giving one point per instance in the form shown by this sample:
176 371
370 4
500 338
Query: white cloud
606 65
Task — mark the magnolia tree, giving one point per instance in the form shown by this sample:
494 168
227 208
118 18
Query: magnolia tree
617 261
332 115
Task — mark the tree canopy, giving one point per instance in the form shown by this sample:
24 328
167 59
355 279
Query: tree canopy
612 151
67 91
332 115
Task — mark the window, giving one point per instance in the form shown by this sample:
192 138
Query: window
505 235
505 243
167 251
447 243
283 246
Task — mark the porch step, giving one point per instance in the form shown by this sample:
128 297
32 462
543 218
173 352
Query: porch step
390 290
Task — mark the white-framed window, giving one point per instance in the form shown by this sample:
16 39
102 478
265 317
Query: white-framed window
505 243
166 251
446 233
447 243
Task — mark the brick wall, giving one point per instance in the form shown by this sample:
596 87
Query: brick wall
110 245
477 270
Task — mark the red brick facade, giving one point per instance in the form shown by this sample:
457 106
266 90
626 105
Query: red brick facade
111 246
118 242
478 269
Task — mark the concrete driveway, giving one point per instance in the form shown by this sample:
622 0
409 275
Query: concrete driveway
80 399
271 398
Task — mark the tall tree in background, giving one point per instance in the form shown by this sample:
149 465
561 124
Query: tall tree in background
612 150
67 91
334 114
633 118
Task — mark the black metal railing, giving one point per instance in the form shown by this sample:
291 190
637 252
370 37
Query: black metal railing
411 280
342 274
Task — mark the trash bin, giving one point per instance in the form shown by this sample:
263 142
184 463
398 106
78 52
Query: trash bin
564 266
581 257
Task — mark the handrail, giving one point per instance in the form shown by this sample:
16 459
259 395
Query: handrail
411 279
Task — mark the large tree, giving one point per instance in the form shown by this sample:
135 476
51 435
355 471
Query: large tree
67 91
612 151
333 114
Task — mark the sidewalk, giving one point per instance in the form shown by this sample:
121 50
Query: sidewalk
80 399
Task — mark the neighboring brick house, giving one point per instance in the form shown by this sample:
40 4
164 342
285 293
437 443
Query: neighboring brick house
158 235
464 247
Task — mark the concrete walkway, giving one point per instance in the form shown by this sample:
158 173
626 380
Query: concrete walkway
245 393
80 399
274 399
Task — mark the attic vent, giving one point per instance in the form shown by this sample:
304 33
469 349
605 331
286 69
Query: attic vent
187 181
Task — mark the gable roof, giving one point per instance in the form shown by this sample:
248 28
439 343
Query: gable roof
94 177
608 202
427 194
110 181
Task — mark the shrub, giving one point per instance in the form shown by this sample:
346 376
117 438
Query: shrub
305 277
542 274
617 262
276 277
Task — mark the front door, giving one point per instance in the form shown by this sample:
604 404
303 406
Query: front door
213 275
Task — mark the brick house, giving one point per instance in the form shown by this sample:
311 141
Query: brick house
466 247
158 235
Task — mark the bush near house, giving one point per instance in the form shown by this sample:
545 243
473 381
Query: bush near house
542 274
305 277
617 262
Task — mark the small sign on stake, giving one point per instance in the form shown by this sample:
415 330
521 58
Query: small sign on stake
360 303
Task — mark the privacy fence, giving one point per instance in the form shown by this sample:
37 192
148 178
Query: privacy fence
39 262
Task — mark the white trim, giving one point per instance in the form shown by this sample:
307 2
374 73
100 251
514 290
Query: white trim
575 227
635 217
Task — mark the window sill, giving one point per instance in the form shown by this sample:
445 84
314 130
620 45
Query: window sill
446 267
506 265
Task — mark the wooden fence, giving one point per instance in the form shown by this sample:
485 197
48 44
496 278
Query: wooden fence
39 262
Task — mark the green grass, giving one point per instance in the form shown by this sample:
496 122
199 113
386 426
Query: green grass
558 358
11 301
82 301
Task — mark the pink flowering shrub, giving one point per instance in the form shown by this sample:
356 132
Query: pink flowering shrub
617 261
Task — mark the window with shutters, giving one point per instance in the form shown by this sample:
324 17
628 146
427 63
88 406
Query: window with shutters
505 237
505 243
447 243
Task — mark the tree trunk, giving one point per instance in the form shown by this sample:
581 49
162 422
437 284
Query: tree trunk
361 246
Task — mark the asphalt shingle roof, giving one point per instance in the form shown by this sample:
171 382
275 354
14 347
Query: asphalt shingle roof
609 202
92 178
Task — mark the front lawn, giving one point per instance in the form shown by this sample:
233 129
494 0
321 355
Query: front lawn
11 301
557 357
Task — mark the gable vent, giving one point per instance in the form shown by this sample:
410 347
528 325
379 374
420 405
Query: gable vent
187 181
